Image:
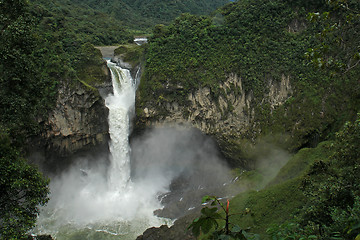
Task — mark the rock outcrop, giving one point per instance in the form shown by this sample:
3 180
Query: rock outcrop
232 115
172 233
77 126
78 120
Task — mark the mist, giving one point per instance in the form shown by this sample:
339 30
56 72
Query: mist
119 194
266 158
84 196
269 160
164 154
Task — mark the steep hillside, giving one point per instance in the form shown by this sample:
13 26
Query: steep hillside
50 76
77 22
247 74
314 196
109 22
141 15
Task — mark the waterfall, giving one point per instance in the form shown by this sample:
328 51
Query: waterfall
100 201
121 105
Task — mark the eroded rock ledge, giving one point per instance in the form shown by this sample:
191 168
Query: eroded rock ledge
231 116
78 120
77 126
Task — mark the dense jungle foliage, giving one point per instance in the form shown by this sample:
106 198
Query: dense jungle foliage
323 185
74 23
22 188
26 92
142 15
262 41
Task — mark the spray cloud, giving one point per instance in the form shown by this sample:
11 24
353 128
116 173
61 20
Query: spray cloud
102 196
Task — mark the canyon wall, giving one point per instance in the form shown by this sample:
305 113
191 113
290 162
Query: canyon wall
77 126
230 118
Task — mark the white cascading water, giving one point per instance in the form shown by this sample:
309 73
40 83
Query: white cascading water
95 200
101 202
120 105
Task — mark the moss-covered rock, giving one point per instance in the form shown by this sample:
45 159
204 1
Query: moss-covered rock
92 70
129 55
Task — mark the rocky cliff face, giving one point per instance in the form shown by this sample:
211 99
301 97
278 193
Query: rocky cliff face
79 120
77 126
231 116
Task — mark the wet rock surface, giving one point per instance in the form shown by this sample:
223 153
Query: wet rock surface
184 204
184 197
176 232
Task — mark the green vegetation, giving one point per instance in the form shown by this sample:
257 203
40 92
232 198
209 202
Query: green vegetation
210 218
332 188
314 196
74 23
25 90
22 189
268 206
302 161
336 50
90 66
131 53
195 51
66 32
35 57
143 15
26 94
259 41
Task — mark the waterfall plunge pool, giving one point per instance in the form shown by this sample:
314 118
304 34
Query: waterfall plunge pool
98 200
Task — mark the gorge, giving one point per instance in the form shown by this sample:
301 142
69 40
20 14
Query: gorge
256 103
115 198
98 200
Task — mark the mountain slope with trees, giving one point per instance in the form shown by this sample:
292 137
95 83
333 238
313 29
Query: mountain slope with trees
143 15
25 96
263 44
315 44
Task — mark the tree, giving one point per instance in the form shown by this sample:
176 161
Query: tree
333 188
22 189
338 46
217 226
23 92
23 95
